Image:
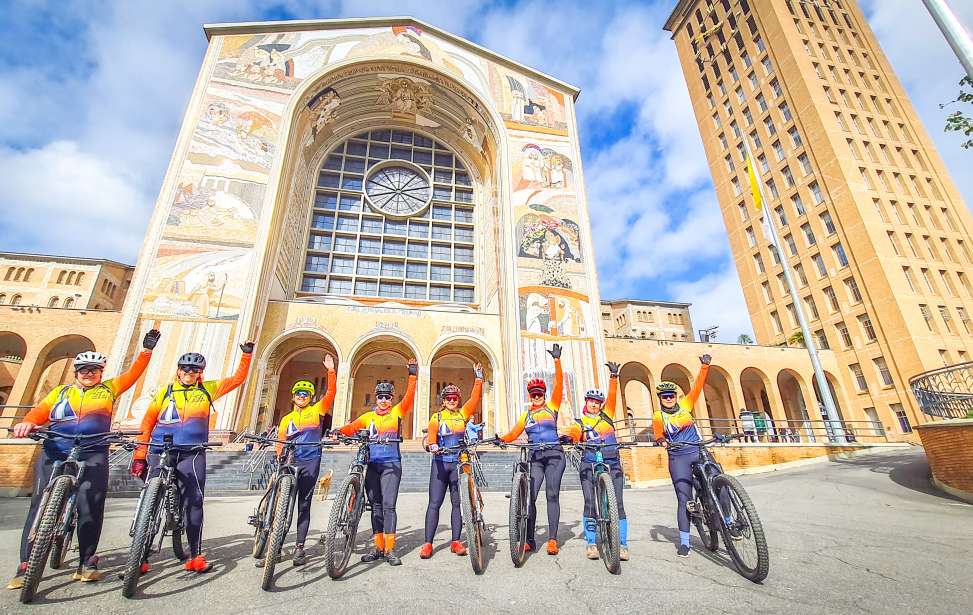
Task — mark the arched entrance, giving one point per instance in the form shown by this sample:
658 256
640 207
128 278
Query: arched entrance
453 363
719 400
791 388
13 349
381 359
297 356
754 385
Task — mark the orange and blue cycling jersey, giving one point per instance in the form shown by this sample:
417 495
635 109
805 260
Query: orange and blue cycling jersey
446 427
184 411
305 424
678 426
74 410
385 430
598 428
540 421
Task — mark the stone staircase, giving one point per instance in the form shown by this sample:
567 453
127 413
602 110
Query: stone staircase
226 475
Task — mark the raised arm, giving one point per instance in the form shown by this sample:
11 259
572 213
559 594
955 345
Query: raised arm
700 381
124 381
228 384
469 408
518 429
405 406
558 393
610 403
326 403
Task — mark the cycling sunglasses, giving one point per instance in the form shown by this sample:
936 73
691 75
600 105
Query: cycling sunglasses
88 371
302 394
667 396
451 398
383 397
192 370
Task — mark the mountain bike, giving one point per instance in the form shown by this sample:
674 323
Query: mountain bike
607 537
520 499
718 496
159 512
350 501
471 480
54 523
275 511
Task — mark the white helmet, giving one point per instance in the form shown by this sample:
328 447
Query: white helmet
88 358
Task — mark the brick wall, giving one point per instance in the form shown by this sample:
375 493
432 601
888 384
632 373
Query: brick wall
16 466
949 448
645 464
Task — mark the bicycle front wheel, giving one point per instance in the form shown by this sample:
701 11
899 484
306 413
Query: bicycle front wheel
144 535
519 503
63 537
51 515
744 535
469 499
339 541
608 538
278 530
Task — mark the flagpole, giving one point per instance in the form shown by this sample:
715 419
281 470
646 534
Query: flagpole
953 31
823 388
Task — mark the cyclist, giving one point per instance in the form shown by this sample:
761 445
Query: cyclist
546 464
182 409
304 423
446 429
384 471
597 427
674 423
83 407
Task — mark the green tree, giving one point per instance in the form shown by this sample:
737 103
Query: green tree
958 121
796 338
744 339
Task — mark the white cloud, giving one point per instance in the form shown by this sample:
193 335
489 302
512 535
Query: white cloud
717 300
67 201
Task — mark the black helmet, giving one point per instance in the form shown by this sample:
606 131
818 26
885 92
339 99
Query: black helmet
192 359
385 388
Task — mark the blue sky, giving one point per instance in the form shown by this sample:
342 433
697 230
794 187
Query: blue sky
92 95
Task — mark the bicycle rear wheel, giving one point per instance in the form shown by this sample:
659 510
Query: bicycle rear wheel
702 516
608 538
469 500
749 552
339 541
142 540
278 530
519 502
51 514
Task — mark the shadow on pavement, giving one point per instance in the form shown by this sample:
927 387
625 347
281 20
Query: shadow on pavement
909 470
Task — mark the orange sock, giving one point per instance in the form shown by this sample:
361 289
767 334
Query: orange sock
379 541
389 542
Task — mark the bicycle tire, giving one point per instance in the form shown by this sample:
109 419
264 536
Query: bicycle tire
143 537
517 519
61 546
51 514
608 537
346 511
175 529
278 531
705 526
473 528
760 571
264 510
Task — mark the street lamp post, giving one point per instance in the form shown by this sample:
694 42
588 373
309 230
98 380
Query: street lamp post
956 35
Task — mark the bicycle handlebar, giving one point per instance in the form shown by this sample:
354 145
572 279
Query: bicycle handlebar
722 439
266 440
445 450
44 433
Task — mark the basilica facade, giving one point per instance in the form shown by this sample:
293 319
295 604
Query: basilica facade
377 190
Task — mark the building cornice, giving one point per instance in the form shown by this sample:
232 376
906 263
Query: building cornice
677 15
674 304
262 27
27 256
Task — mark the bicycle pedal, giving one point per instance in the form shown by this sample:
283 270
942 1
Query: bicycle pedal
692 507
252 520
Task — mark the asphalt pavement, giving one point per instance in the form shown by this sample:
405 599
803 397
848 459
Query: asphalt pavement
867 535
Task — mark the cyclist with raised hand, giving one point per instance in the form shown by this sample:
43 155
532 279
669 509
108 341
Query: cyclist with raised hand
384 471
304 423
446 429
546 464
82 407
182 410
596 426
674 423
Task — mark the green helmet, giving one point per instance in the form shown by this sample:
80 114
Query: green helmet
666 386
303 385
